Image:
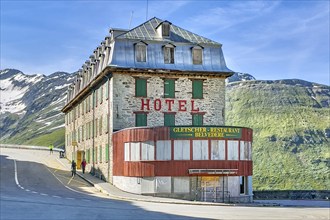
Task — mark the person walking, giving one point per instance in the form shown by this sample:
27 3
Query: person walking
73 168
83 165
51 149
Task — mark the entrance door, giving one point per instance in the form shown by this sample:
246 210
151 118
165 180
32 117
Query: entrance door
80 155
209 188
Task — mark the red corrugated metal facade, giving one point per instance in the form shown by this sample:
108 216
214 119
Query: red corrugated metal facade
171 167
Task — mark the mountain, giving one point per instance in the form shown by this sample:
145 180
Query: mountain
290 120
31 107
291 124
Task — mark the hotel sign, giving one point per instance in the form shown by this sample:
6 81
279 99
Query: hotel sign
205 132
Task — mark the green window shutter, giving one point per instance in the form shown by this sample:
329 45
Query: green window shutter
100 159
197 86
169 119
169 88
140 87
101 94
197 120
107 153
140 119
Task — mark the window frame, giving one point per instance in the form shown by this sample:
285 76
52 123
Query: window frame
140 49
193 55
169 54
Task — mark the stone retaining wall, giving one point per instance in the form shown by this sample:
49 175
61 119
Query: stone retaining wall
292 194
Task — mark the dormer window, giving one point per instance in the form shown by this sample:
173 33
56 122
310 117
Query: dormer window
164 29
197 55
169 53
141 52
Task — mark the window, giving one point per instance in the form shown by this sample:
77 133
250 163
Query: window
106 123
169 54
169 88
141 52
163 150
232 150
197 87
217 149
245 150
127 152
96 98
140 87
148 150
197 119
169 119
197 55
135 151
88 157
181 150
95 155
140 119
96 127
166 29
200 150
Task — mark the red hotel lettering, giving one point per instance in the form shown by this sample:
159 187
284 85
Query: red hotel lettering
157 104
182 105
169 103
193 106
145 104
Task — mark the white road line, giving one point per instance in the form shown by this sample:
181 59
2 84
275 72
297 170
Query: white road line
70 198
57 196
27 190
43 194
16 178
34 192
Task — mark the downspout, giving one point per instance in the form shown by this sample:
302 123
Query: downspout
93 134
108 120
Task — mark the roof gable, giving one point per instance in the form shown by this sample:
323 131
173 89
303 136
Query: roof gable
147 31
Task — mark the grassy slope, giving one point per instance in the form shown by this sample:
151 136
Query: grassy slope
290 150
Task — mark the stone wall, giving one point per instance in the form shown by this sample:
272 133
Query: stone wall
125 103
292 194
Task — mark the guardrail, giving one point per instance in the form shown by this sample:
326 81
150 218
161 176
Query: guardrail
31 147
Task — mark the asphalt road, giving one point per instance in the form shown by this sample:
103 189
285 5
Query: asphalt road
34 185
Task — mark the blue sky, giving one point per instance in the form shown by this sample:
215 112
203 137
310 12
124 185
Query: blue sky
267 39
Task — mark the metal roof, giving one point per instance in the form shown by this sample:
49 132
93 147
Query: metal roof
147 31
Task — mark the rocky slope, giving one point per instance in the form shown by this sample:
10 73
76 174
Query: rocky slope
30 107
291 124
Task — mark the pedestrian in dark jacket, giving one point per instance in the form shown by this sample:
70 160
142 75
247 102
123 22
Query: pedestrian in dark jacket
83 165
73 167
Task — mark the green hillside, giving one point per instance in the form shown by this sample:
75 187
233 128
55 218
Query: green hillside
291 124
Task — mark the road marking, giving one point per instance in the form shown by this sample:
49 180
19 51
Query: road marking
27 190
16 178
57 196
43 194
70 198
70 180
34 192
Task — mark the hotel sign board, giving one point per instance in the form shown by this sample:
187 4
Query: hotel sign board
205 132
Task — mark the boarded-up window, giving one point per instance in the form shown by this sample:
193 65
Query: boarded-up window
127 152
163 184
135 151
197 89
181 150
140 87
245 150
197 119
169 54
200 150
169 88
140 119
218 150
232 150
169 119
181 184
163 151
148 150
197 55
141 52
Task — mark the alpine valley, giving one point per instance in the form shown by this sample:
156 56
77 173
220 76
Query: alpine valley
290 119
